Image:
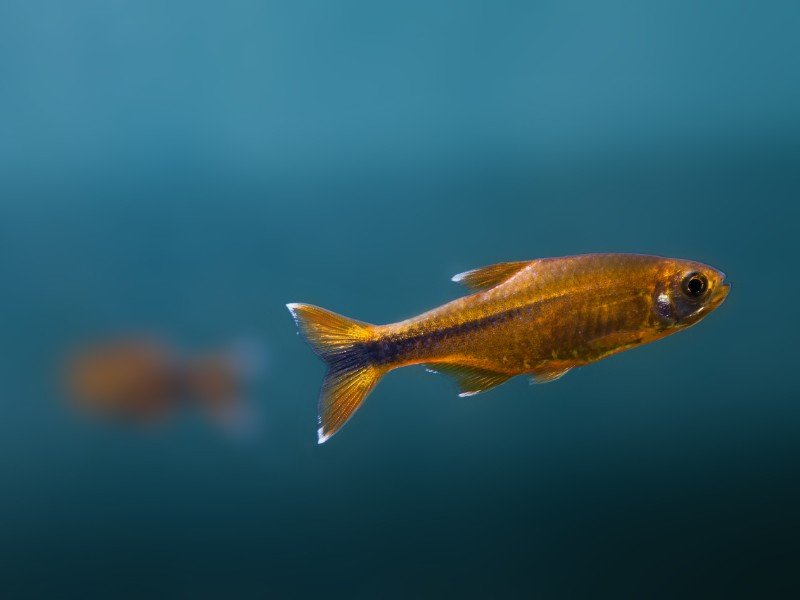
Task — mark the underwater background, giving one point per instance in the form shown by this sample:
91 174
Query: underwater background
187 168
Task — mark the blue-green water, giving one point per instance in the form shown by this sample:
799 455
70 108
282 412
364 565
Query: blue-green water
190 167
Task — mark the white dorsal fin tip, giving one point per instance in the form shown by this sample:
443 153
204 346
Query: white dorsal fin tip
461 276
293 309
467 394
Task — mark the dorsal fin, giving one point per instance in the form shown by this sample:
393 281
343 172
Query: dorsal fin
488 277
470 380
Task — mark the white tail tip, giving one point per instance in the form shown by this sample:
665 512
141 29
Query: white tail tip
322 437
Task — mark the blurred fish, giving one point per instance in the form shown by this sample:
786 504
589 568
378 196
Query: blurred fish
135 379
541 318
145 381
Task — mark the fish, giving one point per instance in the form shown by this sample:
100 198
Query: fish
132 379
540 318
143 380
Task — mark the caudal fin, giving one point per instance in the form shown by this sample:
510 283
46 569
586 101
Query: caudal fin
340 342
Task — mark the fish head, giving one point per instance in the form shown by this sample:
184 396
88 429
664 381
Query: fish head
688 291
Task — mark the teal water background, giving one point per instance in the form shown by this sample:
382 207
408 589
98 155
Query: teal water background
190 167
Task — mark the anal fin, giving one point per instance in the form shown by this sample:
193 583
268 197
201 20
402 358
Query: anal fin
470 380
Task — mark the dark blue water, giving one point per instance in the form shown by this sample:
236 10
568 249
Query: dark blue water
190 167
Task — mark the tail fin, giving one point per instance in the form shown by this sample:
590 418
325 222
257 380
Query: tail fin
339 341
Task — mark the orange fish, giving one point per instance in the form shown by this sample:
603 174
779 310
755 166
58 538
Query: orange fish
145 381
540 317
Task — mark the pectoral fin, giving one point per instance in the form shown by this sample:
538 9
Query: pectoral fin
548 374
488 277
616 342
470 380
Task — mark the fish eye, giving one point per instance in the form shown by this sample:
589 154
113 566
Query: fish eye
694 285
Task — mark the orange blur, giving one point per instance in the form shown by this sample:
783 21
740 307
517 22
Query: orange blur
145 381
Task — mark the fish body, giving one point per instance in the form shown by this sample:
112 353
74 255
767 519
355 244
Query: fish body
540 318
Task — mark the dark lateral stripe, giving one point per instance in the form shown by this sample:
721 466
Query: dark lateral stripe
390 350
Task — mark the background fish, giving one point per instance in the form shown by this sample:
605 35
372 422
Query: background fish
145 381
541 317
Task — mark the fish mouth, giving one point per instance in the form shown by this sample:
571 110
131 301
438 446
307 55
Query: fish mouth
722 292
